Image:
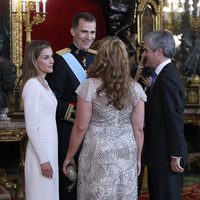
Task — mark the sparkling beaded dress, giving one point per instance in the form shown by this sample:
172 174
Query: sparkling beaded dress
107 162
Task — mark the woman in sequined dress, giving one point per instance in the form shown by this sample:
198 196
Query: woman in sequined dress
109 122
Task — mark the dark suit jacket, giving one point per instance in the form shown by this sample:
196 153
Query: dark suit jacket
164 120
63 83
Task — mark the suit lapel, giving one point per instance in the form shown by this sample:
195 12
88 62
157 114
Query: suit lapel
150 91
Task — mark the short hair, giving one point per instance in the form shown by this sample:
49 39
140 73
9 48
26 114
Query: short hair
161 39
82 15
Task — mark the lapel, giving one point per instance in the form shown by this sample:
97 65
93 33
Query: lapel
151 91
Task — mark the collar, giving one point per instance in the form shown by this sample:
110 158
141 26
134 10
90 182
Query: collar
162 65
77 51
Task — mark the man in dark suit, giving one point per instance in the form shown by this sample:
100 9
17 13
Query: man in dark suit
165 148
68 72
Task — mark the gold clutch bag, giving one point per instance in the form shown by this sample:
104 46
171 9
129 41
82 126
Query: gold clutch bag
71 173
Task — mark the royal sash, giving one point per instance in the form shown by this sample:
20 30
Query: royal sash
75 66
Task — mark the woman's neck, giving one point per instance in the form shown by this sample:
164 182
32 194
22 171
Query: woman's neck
42 80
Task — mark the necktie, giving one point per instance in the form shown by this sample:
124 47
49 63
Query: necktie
154 76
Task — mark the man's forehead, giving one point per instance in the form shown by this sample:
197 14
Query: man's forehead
87 26
84 21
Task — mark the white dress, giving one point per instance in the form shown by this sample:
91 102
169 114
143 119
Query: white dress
40 111
108 158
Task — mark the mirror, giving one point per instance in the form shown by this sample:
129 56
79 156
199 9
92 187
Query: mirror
147 21
148 18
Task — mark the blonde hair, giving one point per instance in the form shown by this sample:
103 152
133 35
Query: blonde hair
111 65
32 52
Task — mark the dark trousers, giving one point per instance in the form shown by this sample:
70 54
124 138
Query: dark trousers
163 184
64 183
140 178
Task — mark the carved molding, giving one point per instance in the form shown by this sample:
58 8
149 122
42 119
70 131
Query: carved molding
11 131
156 7
12 135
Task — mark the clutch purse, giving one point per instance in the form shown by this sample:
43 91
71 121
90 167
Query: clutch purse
71 173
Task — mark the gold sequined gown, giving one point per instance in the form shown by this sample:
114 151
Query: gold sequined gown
107 162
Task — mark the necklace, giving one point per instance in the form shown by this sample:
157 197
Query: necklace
43 82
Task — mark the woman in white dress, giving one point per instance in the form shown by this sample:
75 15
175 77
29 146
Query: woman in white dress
109 122
41 162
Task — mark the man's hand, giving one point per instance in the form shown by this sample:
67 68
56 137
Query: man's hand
175 165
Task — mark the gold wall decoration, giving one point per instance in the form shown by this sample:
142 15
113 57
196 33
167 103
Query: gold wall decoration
175 10
30 13
193 93
148 17
16 41
25 13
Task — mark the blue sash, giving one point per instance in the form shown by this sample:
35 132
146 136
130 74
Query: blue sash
75 66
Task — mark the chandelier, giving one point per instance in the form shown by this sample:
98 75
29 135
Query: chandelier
174 10
29 12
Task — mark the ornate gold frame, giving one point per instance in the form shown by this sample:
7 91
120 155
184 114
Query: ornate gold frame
156 7
16 40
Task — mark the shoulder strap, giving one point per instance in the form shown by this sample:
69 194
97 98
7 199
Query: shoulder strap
92 51
63 51
75 66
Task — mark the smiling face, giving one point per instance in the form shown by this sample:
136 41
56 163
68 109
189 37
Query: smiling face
85 34
45 61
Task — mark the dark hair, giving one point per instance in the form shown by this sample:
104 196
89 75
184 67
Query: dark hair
82 15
